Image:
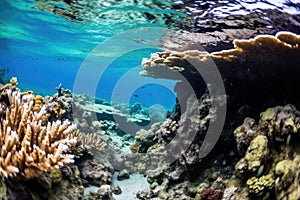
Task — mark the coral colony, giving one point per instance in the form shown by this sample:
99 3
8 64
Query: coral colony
29 148
52 143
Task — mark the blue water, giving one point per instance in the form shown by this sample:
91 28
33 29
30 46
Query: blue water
96 47
44 50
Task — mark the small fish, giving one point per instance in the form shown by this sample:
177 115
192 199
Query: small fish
260 170
136 95
288 139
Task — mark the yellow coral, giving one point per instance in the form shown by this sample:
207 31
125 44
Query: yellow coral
267 115
28 147
256 153
259 186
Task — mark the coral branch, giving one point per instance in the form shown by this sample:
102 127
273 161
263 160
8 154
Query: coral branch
28 147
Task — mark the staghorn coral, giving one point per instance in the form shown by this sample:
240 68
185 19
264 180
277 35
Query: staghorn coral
38 103
93 140
28 147
87 143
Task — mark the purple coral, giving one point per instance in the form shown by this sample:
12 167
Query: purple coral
211 194
168 130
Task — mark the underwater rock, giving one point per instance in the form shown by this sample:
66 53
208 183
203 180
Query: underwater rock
145 139
209 194
96 171
230 193
123 174
116 190
276 172
56 176
168 130
256 155
244 134
287 179
3 189
108 112
45 181
279 124
105 192
67 106
255 62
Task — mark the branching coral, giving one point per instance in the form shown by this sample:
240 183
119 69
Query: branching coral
93 140
30 148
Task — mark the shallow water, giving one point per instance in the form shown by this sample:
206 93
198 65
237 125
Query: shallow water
96 47
45 43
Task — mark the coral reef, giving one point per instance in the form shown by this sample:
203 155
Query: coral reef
259 185
272 155
166 64
258 68
255 62
287 179
256 155
182 178
209 194
94 140
28 147
96 171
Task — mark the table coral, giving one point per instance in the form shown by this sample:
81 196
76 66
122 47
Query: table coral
169 63
28 147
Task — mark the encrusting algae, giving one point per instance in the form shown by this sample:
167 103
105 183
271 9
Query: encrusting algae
29 148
